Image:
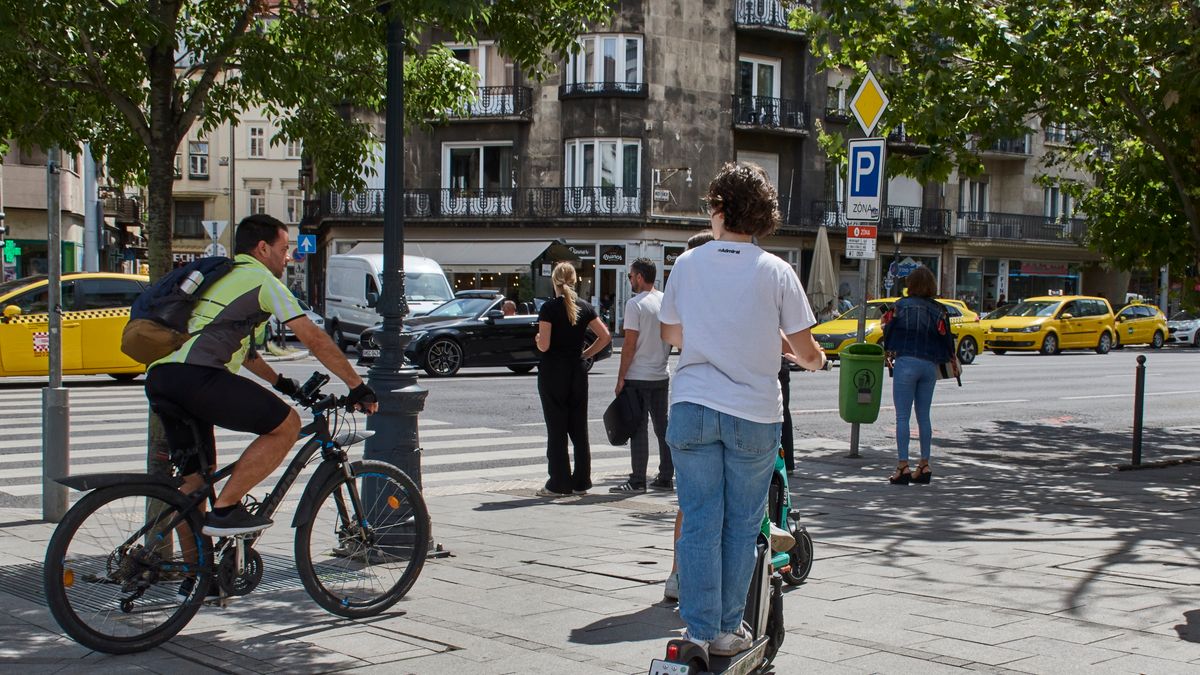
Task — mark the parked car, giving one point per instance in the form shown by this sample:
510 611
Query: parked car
279 328
95 311
834 335
1141 324
1052 323
466 332
353 282
1184 329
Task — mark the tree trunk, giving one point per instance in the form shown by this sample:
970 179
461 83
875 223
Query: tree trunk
158 223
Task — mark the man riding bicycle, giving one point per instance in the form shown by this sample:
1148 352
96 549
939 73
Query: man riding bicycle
200 378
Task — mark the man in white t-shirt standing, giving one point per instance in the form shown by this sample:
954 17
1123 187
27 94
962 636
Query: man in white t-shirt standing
643 373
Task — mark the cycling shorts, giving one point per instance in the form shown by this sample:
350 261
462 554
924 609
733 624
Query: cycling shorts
211 397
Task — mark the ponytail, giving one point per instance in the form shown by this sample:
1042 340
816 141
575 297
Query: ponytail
564 280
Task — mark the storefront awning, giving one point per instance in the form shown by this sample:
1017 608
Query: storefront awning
492 257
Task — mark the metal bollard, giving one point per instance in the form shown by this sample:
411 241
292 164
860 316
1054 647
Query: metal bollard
1139 395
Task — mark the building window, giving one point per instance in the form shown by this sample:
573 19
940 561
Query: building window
189 217
257 142
603 174
1058 132
293 149
606 64
758 77
179 165
197 159
1056 204
295 205
258 200
835 102
491 69
477 179
973 197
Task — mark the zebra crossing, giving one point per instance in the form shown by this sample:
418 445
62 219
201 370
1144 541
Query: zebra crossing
108 434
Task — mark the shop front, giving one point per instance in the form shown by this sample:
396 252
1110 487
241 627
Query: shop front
518 269
984 283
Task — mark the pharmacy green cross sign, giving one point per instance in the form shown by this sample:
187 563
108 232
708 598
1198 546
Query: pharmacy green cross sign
11 251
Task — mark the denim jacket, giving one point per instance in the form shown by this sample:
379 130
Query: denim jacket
913 330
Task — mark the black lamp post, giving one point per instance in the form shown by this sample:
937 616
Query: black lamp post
897 235
401 399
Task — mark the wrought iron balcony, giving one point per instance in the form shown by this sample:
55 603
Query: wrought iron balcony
1018 147
908 219
124 210
1019 226
773 114
498 102
586 89
503 204
770 14
839 114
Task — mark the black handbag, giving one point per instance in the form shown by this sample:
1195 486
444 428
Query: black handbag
620 418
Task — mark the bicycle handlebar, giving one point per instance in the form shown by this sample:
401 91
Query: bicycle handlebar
310 396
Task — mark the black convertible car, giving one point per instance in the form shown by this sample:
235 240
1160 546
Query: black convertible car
470 331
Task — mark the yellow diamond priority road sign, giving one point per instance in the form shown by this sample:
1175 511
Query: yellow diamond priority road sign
868 103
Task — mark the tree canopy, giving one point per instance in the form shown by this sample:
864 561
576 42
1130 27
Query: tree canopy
1122 77
131 77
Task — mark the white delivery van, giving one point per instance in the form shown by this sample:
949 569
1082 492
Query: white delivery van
353 281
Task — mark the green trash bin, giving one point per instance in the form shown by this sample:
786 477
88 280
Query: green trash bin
860 382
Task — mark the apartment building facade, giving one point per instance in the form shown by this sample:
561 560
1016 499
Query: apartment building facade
606 161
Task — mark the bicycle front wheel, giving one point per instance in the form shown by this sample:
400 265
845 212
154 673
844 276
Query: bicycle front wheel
359 560
116 579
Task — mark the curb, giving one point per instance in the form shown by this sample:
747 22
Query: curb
294 356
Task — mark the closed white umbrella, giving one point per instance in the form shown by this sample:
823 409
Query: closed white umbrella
822 284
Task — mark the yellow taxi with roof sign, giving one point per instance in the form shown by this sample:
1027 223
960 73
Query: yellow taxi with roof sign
95 309
835 335
1140 323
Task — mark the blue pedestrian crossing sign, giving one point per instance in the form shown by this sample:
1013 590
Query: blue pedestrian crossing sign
306 244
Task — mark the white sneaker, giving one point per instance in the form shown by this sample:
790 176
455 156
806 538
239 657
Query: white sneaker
671 587
781 539
704 644
729 644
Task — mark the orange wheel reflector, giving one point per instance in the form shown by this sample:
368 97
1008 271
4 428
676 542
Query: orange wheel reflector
68 578
393 502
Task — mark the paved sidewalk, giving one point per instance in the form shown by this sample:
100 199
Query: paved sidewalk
1038 558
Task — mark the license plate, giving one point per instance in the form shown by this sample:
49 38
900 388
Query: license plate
1002 341
660 667
828 345
370 353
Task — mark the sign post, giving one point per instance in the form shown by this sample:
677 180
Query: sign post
864 197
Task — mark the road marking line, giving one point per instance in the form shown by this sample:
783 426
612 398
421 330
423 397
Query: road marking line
1128 395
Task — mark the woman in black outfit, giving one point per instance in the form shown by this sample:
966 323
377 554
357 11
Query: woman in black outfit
562 382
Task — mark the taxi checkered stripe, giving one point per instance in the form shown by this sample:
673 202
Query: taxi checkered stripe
72 316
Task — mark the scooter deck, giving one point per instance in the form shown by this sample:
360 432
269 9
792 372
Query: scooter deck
745 663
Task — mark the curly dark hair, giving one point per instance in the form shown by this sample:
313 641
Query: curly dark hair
744 194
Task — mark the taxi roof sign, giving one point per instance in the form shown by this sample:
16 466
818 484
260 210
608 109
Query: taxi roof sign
868 103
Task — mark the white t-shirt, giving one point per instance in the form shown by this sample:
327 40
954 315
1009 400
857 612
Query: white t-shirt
732 299
650 358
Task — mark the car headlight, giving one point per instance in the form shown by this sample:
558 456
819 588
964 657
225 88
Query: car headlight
1032 329
417 335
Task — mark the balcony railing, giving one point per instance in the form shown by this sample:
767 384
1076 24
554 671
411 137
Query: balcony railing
764 14
492 102
1010 146
762 112
583 89
515 203
1019 226
124 210
835 113
908 219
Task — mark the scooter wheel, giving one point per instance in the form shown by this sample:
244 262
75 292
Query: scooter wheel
800 557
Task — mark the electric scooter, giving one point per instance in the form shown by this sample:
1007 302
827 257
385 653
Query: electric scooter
764 602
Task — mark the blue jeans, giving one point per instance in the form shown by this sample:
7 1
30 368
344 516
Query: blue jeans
912 382
723 470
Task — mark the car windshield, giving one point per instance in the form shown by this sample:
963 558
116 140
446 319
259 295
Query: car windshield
1000 311
461 307
9 286
424 287
1185 316
1035 308
875 311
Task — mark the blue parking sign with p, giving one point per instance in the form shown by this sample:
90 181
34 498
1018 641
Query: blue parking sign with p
865 179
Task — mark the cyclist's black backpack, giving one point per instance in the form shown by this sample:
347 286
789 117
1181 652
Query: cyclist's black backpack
159 317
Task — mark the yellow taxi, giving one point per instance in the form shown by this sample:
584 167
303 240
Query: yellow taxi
1141 324
1052 323
95 311
834 335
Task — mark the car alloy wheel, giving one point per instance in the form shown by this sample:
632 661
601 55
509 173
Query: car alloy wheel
967 349
1105 343
1050 344
339 338
1157 342
443 358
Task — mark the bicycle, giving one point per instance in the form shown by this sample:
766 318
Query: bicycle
115 582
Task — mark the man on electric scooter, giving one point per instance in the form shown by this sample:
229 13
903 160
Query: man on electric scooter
730 299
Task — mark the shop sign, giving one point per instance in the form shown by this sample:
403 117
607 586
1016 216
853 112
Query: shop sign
184 257
1037 269
583 251
672 253
612 255
547 269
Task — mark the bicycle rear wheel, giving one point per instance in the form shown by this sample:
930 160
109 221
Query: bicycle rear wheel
358 564
115 579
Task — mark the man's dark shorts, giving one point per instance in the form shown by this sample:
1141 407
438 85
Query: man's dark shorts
214 397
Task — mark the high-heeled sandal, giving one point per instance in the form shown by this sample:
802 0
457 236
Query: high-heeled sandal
924 475
902 478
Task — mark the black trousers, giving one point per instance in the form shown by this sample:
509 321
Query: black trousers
652 398
789 445
563 388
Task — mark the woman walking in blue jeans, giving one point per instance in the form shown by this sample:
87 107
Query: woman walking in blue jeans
726 307
917 339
